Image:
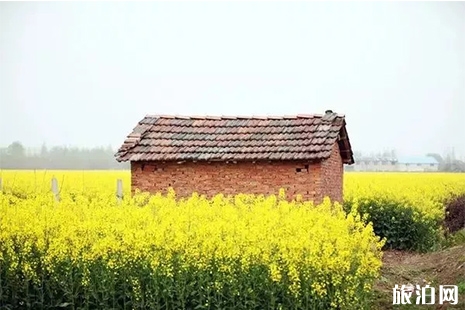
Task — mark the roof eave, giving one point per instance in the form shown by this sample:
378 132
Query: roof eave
345 146
309 160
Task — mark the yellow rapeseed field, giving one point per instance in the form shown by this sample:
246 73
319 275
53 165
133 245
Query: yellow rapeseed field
87 183
408 209
424 191
250 252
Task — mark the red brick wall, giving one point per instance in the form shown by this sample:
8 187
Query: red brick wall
333 174
242 177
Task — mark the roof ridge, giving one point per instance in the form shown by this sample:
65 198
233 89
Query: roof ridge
254 117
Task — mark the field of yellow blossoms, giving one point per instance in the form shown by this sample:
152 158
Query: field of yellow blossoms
91 251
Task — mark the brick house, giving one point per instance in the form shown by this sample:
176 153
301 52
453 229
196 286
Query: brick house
303 154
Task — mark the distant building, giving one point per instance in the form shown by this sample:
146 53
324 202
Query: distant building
417 163
404 163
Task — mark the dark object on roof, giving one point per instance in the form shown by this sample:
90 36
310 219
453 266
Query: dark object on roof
236 138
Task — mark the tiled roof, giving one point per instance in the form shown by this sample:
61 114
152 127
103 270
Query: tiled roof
236 138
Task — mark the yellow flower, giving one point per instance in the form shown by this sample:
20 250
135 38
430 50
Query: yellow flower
295 243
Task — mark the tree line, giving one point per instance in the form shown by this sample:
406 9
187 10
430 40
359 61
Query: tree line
448 162
16 156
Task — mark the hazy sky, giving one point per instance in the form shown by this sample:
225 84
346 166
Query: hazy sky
85 73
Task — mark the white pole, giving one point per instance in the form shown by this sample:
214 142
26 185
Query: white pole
119 190
55 189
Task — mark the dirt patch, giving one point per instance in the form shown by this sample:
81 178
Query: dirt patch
446 267
455 214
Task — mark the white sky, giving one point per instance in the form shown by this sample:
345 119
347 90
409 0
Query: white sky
85 73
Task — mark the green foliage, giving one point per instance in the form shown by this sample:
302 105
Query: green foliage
461 287
454 239
403 226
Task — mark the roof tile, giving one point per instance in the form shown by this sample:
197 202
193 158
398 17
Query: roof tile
305 136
